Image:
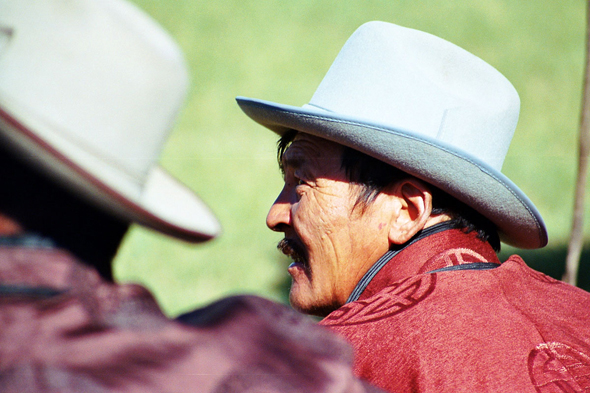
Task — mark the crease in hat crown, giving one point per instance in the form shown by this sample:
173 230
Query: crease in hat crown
426 106
93 88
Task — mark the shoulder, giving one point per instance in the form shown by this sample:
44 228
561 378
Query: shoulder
391 301
271 346
275 323
511 321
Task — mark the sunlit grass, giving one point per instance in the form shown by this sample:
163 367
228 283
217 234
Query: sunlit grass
279 50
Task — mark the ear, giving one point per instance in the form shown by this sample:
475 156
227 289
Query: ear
414 206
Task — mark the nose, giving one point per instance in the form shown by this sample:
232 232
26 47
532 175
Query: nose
279 215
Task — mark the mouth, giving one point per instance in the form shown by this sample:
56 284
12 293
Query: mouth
296 252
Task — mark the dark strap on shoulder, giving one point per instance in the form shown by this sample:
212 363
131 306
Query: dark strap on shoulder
21 291
468 266
27 240
372 272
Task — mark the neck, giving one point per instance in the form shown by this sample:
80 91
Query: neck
372 272
32 202
433 248
95 244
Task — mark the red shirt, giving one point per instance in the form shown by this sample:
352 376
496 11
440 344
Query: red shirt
507 329
63 329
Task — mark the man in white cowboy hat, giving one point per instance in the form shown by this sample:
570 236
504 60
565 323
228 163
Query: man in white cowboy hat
393 208
88 90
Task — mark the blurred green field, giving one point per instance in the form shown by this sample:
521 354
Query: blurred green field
279 50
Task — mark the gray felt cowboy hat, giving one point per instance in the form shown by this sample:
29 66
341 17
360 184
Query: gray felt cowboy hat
426 106
88 92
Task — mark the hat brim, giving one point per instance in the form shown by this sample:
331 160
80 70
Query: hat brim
462 176
162 203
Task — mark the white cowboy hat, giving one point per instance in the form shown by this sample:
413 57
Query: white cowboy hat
426 106
89 91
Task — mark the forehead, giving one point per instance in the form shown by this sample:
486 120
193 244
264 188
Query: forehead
309 149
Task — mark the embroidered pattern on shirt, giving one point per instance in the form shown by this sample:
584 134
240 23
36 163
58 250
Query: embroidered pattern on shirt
555 367
393 300
452 257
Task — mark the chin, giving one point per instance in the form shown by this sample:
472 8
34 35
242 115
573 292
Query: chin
311 306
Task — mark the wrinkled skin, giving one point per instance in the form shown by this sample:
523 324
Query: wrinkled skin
332 243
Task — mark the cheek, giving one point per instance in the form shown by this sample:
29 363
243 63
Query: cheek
320 217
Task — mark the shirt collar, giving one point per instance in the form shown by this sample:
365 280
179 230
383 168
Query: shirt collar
26 240
444 247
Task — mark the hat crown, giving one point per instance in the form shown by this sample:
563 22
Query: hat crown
89 90
57 76
410 80
426 106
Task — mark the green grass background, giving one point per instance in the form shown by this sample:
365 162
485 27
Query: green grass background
279 50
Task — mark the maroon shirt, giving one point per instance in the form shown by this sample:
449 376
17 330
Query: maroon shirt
506 329
63 329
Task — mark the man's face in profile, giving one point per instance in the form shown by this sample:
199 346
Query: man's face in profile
332 244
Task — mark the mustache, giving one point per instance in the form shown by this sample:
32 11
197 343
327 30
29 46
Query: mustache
293 249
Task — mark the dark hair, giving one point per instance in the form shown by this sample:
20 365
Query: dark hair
375 175
282 145
44 207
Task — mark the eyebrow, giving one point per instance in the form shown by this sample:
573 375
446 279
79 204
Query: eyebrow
295 161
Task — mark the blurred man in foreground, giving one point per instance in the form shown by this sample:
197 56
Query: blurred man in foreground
88 90
393 208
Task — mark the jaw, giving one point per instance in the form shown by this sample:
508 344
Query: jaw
306 306
308 296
